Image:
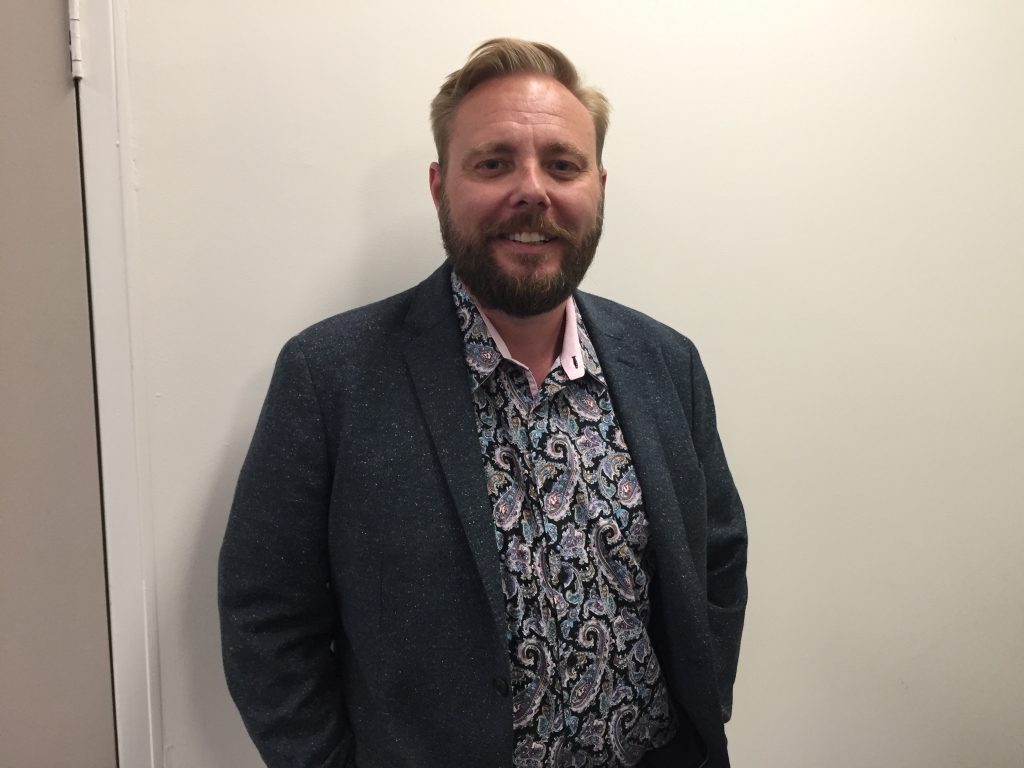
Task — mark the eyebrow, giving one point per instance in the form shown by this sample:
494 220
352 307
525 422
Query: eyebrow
491 148
566 148
506 148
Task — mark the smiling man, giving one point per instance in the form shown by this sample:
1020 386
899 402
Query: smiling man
488 521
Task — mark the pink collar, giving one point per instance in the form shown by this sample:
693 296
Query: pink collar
571 358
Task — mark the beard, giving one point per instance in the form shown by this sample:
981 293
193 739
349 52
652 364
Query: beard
473 260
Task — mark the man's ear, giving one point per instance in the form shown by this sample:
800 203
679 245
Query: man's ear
436 182
604 177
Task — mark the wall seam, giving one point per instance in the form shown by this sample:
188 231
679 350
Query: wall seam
96 406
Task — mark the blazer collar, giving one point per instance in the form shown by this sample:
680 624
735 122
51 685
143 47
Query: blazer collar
654 424
433 351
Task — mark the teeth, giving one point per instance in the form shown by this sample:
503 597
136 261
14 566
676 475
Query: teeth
528 237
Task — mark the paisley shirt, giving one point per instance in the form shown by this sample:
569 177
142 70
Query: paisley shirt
572 534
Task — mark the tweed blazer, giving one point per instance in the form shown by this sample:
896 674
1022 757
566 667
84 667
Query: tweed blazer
362 616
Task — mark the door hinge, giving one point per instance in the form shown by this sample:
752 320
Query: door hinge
75 29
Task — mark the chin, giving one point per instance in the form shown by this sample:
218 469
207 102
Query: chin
528 264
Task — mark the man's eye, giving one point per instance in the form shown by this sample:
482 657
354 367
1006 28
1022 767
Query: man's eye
491 165
563 166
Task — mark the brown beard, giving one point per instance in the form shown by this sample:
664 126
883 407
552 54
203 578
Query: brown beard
473 260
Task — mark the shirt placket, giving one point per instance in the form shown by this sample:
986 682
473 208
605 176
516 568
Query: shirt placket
546 544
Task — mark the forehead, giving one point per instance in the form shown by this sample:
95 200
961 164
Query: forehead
521 108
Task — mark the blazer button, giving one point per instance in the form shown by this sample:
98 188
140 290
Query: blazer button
500 685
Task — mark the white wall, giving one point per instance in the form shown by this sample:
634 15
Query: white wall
827 197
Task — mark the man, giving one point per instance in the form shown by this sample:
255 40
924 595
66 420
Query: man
488 521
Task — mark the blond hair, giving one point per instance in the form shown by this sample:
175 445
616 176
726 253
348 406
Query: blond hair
504 56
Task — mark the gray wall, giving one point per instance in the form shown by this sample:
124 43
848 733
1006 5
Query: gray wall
55 688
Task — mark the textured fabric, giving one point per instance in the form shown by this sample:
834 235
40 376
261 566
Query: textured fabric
570 526
362 614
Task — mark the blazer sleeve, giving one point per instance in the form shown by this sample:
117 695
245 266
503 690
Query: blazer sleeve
278 617
727 534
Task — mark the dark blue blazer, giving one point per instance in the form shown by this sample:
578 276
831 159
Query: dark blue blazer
362 617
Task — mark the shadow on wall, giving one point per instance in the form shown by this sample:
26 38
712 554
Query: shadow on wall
403 247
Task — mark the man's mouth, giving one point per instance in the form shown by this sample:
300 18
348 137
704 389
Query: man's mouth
527 237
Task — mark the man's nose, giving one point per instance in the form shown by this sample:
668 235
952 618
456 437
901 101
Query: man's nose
531 188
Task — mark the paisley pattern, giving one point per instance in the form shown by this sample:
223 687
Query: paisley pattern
587 689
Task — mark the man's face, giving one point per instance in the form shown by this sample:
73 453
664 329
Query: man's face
520 201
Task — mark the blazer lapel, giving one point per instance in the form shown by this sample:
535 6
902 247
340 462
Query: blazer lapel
435 357
648 411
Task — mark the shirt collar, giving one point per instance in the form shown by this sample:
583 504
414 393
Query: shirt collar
485 348
571 357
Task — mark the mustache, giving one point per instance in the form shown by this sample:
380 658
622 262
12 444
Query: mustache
535 222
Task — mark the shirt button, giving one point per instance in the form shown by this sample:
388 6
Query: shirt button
500 685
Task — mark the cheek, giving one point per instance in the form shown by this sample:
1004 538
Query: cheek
582 209
478 213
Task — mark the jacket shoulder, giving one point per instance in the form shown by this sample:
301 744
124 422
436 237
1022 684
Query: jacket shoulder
369 329
610 317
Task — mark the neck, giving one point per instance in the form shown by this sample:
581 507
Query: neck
534 341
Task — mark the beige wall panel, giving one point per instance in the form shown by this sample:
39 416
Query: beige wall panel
55 689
